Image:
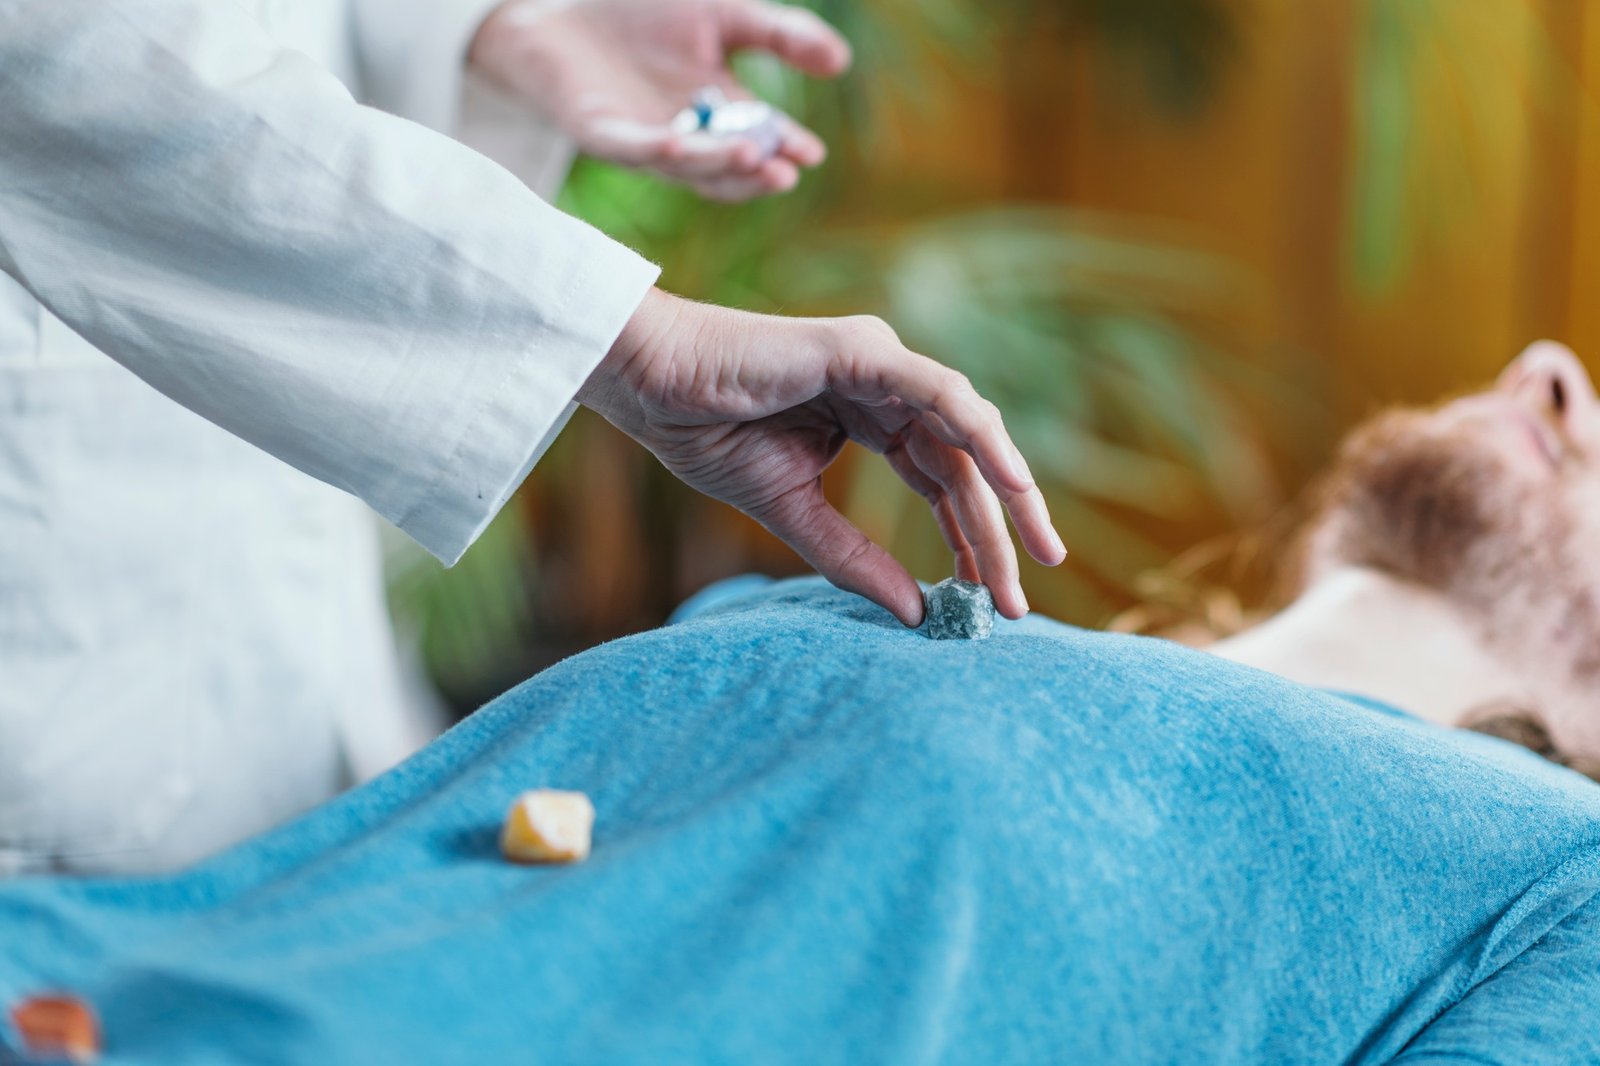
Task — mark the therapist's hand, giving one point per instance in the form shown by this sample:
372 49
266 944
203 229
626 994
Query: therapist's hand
751 408
612 73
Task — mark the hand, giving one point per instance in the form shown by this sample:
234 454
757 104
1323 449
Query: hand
750 409
613 73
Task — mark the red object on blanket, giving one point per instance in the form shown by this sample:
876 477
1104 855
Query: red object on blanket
57 1026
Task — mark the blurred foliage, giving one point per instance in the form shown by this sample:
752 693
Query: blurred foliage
1098 335
1442 95
1076 329
467 624
1180 49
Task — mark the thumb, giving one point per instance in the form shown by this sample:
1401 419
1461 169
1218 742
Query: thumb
805 520
793 34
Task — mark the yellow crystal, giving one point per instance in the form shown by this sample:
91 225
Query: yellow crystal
548 825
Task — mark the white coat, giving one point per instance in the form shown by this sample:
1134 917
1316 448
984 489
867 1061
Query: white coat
237 310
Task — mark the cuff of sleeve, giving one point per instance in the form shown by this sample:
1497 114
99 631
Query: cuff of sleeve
520 418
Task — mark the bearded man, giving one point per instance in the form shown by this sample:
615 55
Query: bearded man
1451 570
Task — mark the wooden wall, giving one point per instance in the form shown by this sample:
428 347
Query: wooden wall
1264 175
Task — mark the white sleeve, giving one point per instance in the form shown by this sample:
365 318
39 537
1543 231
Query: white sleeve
363 298
411 57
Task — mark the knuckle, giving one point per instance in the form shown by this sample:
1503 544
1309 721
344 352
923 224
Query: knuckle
869 329
990 540
955 392
956 387
854 555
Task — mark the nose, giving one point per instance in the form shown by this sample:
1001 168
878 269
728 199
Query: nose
1549 377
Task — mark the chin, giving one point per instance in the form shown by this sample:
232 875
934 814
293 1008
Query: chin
1437 500
1421 496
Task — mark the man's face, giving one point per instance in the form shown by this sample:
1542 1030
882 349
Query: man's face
1492 499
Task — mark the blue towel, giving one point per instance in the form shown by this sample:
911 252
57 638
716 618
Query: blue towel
823 838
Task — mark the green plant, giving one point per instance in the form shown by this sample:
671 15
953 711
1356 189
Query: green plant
1089 331
1077 330
1442 95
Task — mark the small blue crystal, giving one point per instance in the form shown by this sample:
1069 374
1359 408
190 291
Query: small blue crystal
959 610
705 104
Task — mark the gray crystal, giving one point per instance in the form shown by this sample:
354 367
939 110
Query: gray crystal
959 610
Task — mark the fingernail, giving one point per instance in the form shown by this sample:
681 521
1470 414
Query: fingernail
1055 540
913 617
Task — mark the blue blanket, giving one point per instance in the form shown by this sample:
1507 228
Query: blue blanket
822 838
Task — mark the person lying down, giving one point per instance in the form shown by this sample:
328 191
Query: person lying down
1452 569
821 837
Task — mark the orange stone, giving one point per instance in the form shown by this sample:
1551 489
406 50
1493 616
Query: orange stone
548 825
57 1026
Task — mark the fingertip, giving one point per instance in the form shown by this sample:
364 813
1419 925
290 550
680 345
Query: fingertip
804 147
828 56
1031 515
899 594
824 52
780 175
812 45
1055 552
799 37
840 552
746 157
1010 603
1045 546
901 598
910 613
843 56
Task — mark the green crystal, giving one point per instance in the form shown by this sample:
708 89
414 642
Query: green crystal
959 610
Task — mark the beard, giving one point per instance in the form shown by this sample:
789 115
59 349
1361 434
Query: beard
1432 502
